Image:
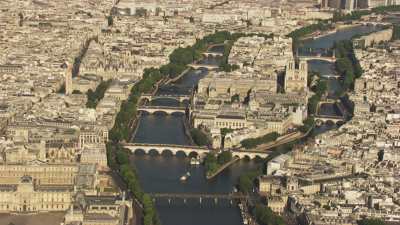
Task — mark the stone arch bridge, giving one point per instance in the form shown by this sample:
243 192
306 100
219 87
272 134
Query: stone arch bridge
165 109
207 66
334 119
179 98
187 150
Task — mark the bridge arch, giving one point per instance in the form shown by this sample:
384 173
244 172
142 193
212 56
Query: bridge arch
153 151
177 113
160 112
167 152
144 111
193 154
139 151
319 122
258 157
329 122
339 123
181 153
247 157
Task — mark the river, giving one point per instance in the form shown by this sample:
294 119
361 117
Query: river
161 173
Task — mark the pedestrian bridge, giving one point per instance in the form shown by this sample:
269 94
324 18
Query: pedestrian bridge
207 66
213 54
187 150
322 58
165 109
179 98
229 196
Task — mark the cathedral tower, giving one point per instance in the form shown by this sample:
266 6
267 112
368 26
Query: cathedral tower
296 78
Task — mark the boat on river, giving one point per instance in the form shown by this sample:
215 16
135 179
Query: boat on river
194 161
184 177
243 213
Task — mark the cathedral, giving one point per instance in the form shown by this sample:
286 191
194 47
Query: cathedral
296 78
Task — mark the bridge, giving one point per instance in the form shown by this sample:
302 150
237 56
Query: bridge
174 149
329 76
165 109
320 119
322 58
251 154
280 141
213 54
188 150
199 196
207 66
323 119
179 98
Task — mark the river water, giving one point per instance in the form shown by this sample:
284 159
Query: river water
161 173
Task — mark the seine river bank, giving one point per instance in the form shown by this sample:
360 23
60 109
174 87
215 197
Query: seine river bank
161 173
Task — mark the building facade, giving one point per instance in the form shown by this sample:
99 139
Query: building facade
26 196
296 78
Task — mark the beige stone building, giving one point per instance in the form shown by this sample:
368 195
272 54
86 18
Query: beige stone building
277 203
269 184
296 78
373 38
236 84
28 196
41 173
85 83
99 210
95 154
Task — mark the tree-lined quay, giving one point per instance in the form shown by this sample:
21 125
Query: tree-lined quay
179 59
119 158
150 112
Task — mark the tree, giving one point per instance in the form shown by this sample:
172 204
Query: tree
76 92
210 163
372 221
235 98
225 131
347 64
224 157
264 215
246 183
321 87
95 96
253 142
199 137
110 21
122 157
308 124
